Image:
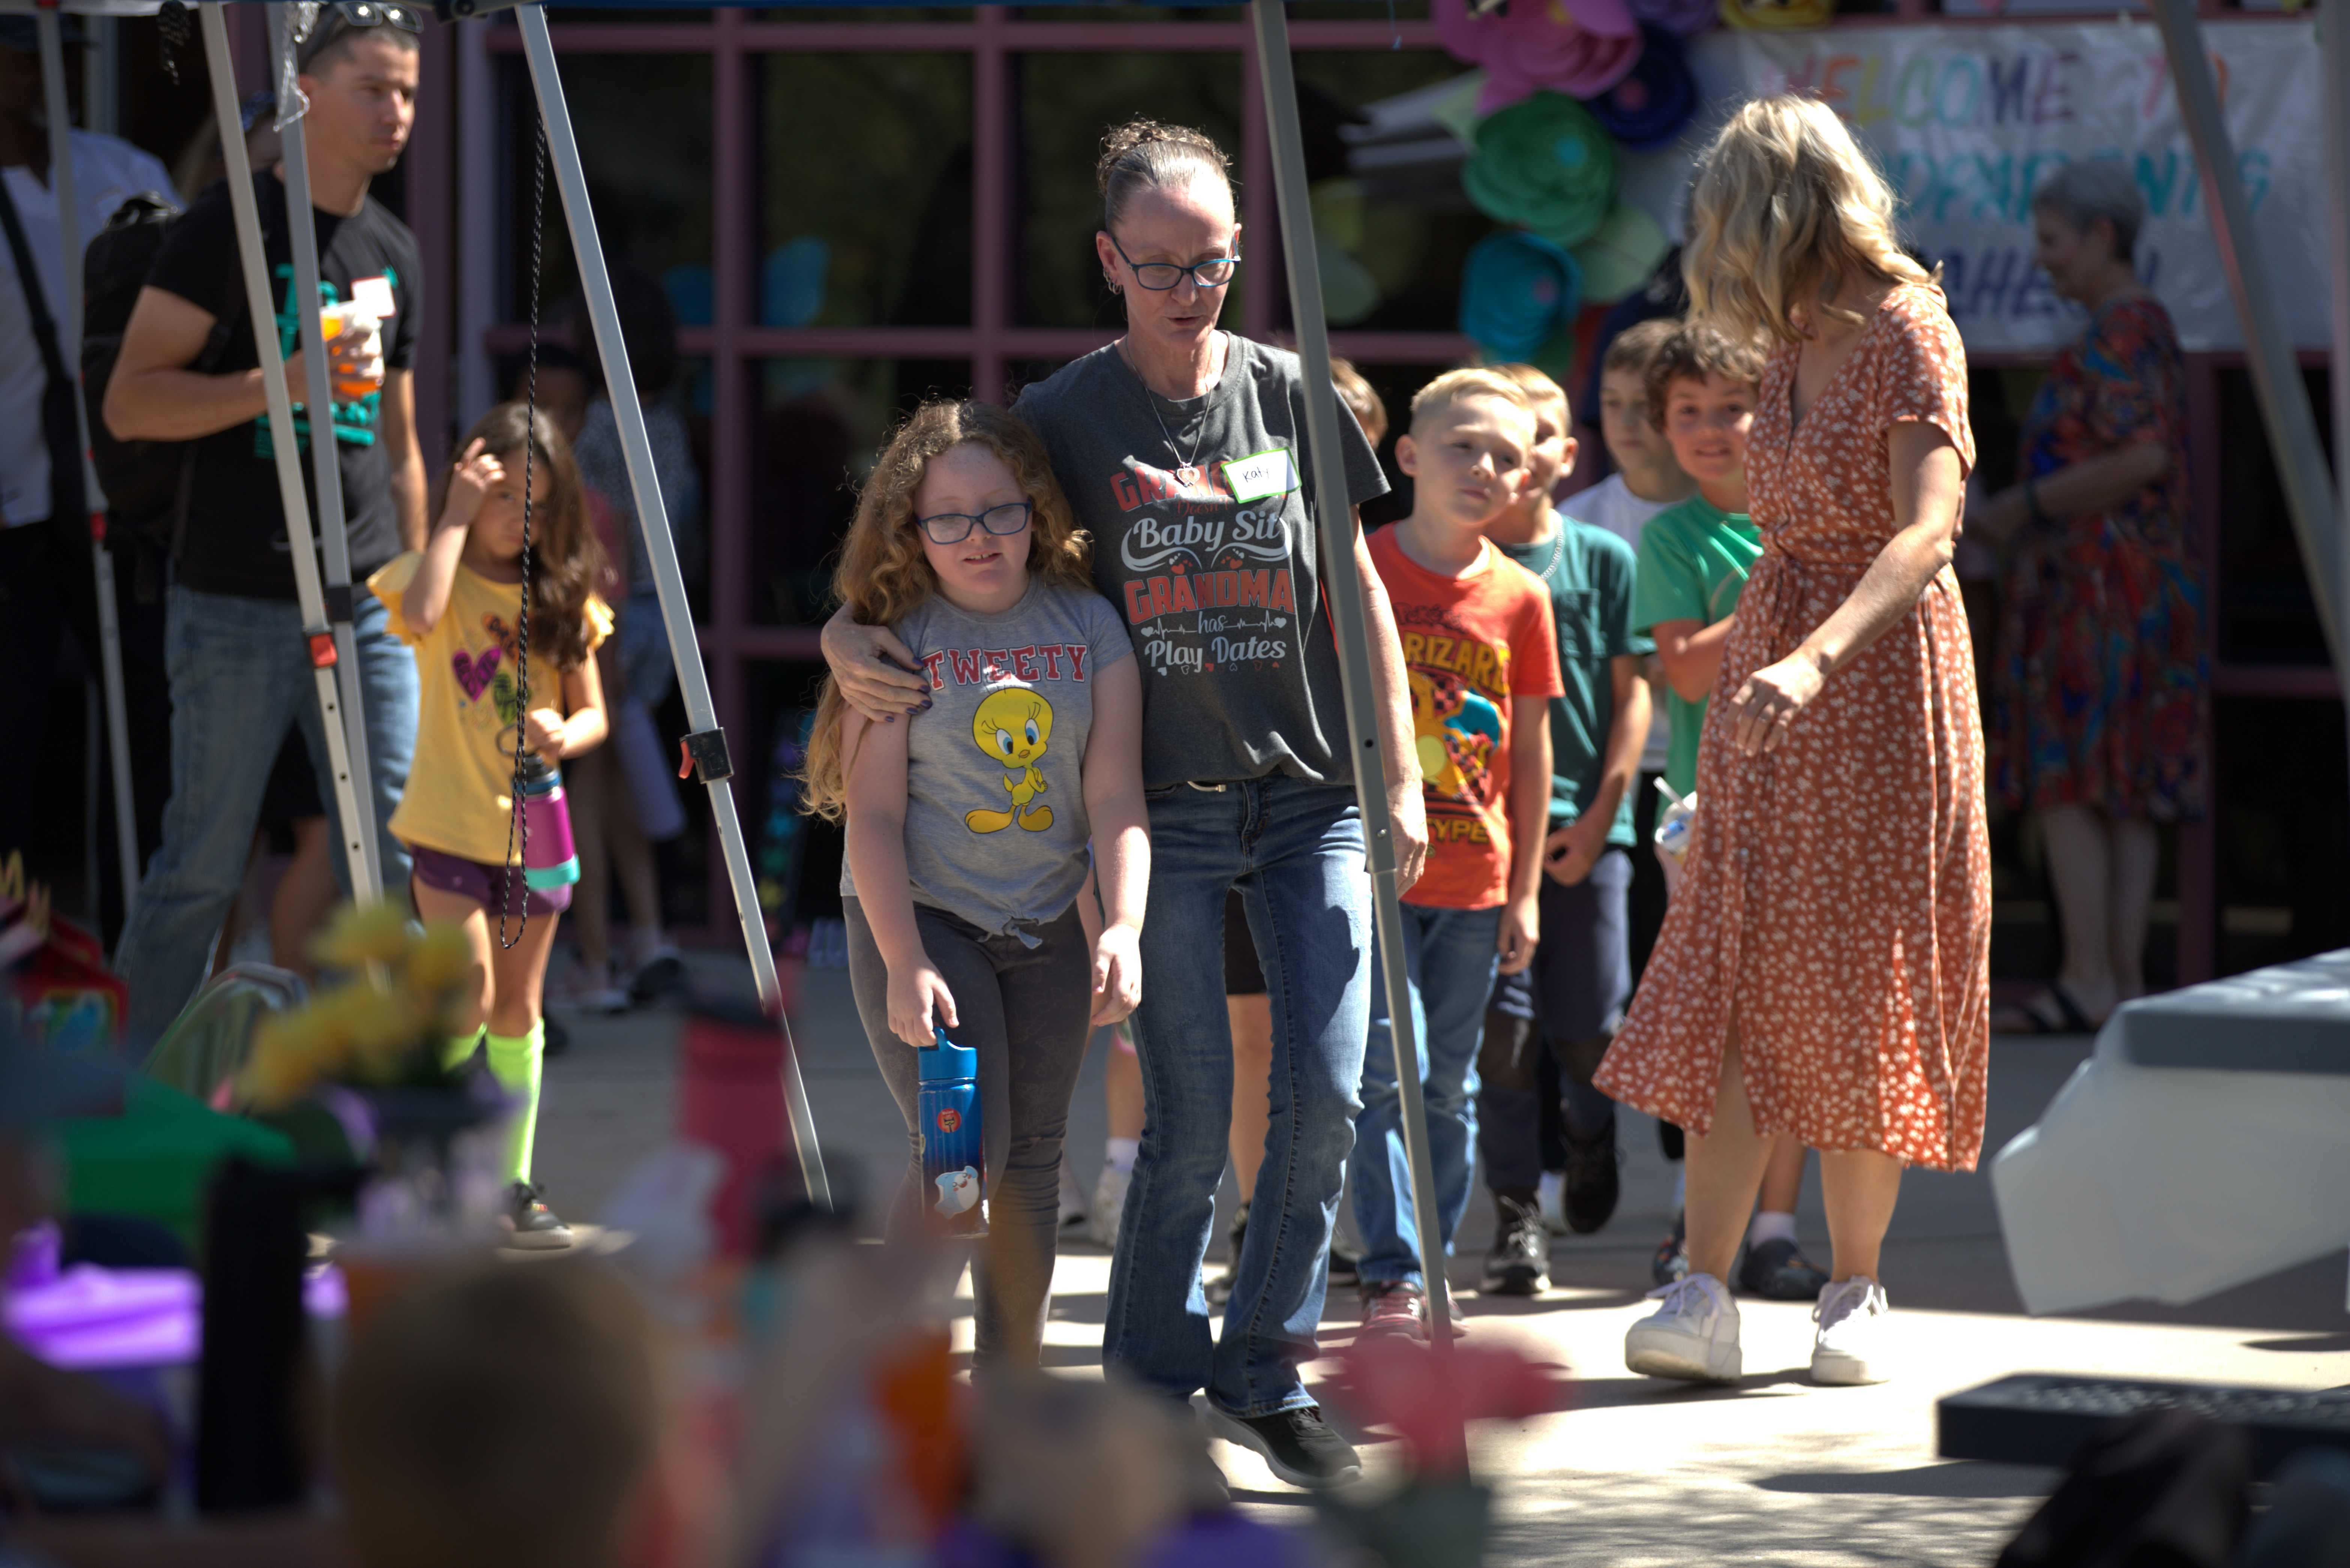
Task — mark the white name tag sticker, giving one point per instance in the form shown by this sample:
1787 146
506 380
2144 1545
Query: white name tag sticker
1267 474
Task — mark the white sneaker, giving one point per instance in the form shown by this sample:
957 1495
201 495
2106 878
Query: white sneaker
1110 1202
1850 1346
1693 1336
1553 1193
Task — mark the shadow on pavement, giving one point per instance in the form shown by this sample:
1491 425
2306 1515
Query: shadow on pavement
1959 1479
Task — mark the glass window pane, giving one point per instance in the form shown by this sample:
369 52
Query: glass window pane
873 13
557 15
643 125
1387 195
817 427
1065 102
867 181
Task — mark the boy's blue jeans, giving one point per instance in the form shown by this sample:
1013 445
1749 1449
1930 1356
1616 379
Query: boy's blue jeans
1449 957
240 674
1294 850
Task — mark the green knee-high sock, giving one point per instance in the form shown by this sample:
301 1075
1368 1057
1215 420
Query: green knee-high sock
459 1048
517 1062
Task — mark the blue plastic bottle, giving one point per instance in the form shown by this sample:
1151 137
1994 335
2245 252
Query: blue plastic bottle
954 1154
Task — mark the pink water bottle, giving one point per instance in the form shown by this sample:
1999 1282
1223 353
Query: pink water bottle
548 860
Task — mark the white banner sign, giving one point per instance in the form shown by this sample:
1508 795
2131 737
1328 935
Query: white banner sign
1968 122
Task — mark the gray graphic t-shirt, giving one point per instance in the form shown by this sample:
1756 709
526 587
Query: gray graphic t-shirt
995 812
1204 546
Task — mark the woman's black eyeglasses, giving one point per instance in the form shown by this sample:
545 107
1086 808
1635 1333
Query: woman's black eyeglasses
1160 277
954 527
342 15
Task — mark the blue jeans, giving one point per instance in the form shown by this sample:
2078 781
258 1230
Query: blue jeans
1296 852
240 674
1449 958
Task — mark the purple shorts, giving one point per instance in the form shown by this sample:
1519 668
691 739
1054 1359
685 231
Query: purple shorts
485 885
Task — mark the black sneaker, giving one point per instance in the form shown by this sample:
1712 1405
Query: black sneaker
1298 1446
1670 1265
1220 1289
1519 1265
536 1227
557 1039
1777 1271
1593 1184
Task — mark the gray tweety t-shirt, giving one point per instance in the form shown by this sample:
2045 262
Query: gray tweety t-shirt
1204 546
995 810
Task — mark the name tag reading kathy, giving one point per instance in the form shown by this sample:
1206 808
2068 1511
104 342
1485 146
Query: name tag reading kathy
1267 474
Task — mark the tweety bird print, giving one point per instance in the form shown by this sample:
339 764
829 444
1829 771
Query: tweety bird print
1014 726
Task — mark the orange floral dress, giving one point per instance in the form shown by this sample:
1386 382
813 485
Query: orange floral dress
1838 894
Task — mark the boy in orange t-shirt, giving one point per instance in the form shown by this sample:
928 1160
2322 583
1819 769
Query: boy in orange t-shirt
1483 656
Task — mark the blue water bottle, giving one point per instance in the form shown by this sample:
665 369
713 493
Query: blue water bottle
954 1154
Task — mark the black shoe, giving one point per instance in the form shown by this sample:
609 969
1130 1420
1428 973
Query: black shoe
1345 1261
1593 1184
1519 1265
557 1039
1670 1265
1777 1271
1220 1289
536 1227
1670 1139
1298 1446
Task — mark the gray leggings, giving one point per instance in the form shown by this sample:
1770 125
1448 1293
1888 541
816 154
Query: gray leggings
1024 1090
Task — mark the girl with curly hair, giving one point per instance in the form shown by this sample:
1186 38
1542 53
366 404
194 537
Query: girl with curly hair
968 819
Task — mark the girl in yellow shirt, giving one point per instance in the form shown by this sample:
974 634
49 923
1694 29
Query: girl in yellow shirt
459 603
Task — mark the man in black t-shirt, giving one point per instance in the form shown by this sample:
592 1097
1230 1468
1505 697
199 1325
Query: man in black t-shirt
239 665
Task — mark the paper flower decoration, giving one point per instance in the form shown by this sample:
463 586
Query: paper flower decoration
1544 164
1771 15
360 1032
1622 255
1651 107
1428 1400
1686 17
1578 50
1518 291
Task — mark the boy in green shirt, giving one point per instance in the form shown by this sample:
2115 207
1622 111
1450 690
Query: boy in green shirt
1694 558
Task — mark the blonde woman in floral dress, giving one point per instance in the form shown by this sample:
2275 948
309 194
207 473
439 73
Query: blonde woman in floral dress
1824 972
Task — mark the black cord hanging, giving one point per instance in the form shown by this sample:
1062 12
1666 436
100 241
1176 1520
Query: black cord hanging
518 819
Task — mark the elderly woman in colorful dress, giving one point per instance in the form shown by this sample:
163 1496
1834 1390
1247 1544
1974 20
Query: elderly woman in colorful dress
2102 684
1824 970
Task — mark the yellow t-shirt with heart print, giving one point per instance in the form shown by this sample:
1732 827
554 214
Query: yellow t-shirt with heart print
469 714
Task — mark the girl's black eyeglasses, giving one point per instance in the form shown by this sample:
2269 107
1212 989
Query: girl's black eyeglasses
954 527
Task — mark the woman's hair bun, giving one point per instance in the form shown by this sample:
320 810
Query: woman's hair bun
1145 154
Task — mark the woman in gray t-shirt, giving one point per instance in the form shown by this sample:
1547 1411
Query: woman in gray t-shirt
1181 448
968 821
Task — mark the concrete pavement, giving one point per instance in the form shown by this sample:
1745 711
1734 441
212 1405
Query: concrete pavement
1772 1470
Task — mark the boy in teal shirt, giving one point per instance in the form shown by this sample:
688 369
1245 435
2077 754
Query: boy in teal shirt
1694 558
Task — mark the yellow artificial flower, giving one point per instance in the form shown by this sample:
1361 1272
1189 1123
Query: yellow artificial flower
441 960
378 933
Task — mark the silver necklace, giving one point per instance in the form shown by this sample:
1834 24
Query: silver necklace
1150 399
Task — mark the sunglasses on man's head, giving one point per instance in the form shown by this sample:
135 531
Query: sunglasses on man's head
340 16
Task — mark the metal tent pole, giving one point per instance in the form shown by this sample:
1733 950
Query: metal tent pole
2307 483
2334 66
1346 600
706 747
326 469
317 636
109 629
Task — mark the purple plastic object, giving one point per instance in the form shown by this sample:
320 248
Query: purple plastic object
33 1261
88 1319
1686 17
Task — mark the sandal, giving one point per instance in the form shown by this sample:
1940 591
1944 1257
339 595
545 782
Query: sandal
2070 1019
